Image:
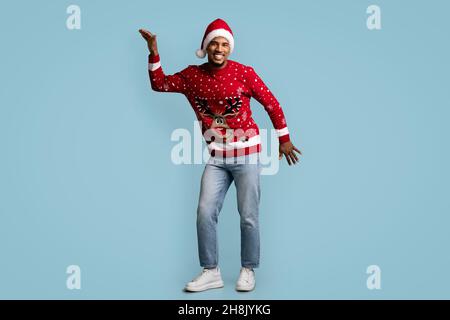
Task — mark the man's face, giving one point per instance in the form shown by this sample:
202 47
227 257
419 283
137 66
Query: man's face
218 51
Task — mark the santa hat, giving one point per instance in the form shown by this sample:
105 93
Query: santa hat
217 28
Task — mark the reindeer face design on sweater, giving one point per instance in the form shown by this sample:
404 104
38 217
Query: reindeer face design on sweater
219 120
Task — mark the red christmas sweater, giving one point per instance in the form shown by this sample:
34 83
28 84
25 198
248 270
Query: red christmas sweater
221 101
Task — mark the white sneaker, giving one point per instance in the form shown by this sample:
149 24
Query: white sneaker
208 279
246 281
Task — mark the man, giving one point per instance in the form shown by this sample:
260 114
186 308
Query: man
219 91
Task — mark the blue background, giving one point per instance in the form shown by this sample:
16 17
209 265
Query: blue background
86 176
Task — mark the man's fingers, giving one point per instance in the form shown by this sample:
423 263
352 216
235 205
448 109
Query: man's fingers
280 155
143 34
288 158
293 160
297 150
294 155
146 34
145 31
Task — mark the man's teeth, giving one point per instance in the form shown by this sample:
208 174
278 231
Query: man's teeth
218 56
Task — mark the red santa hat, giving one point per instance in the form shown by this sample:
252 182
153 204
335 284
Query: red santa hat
217 28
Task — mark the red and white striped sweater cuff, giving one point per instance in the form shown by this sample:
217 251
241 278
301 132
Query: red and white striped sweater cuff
283 135
154 62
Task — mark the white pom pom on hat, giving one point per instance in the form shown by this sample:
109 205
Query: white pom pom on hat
217 28
200 53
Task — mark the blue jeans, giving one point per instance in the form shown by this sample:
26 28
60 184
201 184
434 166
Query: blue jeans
216 179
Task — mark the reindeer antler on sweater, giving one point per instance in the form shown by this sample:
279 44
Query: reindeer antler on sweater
202 106
232 107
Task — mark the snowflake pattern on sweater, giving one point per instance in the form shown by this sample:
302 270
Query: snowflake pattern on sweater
221 101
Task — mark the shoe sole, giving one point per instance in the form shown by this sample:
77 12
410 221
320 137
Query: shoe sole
245 289
212 285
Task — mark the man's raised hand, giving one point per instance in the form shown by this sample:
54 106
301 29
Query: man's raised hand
151 41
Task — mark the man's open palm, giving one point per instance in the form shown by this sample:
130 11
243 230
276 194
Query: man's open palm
288 150
151 40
